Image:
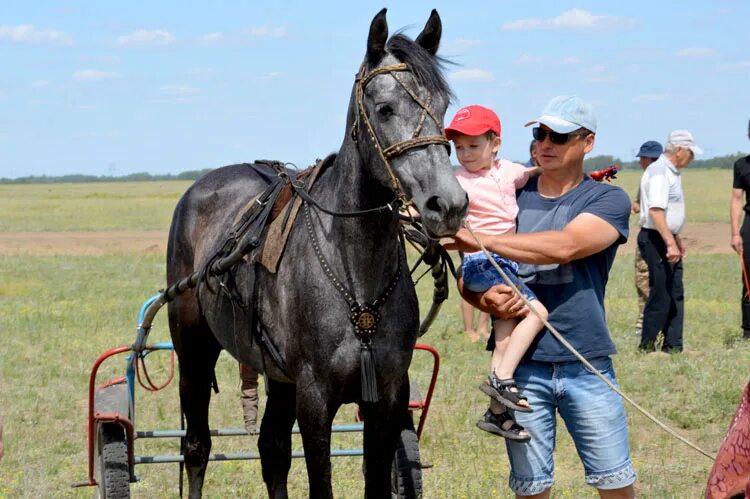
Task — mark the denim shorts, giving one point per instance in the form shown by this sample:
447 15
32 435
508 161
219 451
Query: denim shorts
479 274
593 413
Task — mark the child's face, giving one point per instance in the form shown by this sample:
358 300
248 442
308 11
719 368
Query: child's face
476 152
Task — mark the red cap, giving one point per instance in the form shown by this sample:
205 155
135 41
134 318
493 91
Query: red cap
473 120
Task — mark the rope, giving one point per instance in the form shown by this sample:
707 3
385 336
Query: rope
744 275
580 357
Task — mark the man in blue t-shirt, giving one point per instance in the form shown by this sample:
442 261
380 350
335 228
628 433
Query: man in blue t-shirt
569 227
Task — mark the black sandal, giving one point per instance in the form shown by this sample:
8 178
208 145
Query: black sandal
496 424
502 391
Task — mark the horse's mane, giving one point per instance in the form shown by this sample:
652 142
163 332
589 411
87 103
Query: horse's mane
427 69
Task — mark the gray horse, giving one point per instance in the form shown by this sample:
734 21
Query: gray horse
342 299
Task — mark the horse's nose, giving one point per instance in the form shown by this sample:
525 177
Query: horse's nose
450 211
438 205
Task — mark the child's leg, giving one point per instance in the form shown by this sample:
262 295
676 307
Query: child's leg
503 330
249 398
467 312
520 340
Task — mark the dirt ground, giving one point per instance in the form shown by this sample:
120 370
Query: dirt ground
700 238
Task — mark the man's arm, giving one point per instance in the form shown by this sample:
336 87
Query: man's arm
659 217
585 235
735 214
499 300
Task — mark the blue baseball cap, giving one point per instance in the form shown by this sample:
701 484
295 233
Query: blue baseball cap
650 149
567 113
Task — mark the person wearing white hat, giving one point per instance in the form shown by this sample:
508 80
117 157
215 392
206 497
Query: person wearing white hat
662 219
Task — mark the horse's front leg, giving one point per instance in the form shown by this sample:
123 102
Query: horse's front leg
315 414
275 441
384 421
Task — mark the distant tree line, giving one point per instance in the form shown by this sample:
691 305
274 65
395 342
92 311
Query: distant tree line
79 178
590 164
604 161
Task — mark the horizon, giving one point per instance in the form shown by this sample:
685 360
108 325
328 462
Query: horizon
114 90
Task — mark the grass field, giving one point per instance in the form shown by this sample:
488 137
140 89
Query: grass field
59 313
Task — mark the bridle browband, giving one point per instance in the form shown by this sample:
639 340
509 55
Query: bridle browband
399 148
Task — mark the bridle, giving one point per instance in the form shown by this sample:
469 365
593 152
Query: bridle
393 150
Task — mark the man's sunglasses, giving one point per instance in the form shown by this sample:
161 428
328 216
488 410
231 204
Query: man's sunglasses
555 137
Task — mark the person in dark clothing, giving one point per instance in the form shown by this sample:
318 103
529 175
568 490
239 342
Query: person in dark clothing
741 235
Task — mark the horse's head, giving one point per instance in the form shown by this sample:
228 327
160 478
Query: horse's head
396 118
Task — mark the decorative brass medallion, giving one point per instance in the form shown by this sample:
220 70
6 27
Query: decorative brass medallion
365 320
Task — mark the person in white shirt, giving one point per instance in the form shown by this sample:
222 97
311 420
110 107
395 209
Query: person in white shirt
662 210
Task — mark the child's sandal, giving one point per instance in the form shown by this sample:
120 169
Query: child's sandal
497 424
503 391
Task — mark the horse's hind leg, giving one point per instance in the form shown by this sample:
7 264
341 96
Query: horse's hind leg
383 423
275 441
197 351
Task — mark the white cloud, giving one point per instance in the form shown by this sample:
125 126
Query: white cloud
460 44
571 60
573 19
26 33
272 74
144 37
39 83
92 75
471 74
178 90
529 59
269 31
651 97
211 38
597 68
734 66
696 52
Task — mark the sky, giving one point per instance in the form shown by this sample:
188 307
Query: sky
119 87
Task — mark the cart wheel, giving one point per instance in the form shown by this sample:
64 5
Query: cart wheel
113 473
406 473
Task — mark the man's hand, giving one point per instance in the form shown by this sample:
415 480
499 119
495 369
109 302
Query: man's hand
462 241
501 301
635 208
674 254
737 244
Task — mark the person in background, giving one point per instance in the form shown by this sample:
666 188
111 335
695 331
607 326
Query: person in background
662 219
647 154
249 397
469 312
533 160
741 235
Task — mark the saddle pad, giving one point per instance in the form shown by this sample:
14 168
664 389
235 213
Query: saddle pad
278 231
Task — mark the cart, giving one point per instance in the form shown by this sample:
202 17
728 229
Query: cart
112 432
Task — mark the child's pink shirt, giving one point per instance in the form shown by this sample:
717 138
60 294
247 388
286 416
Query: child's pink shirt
492 195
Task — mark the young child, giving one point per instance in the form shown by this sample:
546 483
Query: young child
491 185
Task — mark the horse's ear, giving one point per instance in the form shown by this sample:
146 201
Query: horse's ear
429 38
377 38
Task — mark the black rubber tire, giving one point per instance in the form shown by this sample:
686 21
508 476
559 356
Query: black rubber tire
113 471
406 473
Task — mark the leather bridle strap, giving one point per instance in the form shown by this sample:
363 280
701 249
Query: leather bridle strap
399 148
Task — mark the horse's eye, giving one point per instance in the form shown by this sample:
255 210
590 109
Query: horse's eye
385 111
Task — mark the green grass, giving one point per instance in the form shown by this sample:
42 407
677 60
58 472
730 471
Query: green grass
149 205
97 206
60 313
